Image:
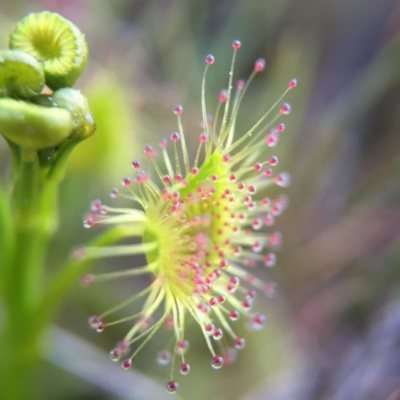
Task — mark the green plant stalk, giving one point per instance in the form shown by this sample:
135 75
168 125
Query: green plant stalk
18 289
34 214
29 235
7 240
34 218
16 156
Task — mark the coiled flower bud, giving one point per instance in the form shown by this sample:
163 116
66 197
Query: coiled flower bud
45 49
21 75
56 42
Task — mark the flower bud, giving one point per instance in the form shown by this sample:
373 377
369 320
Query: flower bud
54 41
73 101
33 127
21 75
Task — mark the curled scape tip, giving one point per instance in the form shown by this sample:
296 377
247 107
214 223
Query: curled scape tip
46 54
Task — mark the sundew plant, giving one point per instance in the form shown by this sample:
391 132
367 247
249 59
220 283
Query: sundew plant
204 222
200 219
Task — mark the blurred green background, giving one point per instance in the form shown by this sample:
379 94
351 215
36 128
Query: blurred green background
334 327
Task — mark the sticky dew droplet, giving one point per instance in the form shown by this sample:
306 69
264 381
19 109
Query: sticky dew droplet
114 193
209 59
184 369
223 96
126 364
163 357
171 387
94 321
236 44
178 109
283 179
259 65
285 109
87 280
174 136
234 315
239 343
217 362
292 83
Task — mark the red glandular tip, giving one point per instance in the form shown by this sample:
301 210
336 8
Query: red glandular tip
239 343
226 158
259 65
90 220
283 179
87 280
126 181
292 84
223 96
114 193
182 346
209 59
273 160
217 334
115 355
94 321
203 137
280 127
121 348
172 386
229 356
178 109
240 84
174 136
217 362
95 205
185 368
234 315
236 44
135 164
257 321
269 260
285 109
163 357
148 150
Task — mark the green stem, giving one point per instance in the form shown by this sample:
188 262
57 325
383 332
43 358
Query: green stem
7 241
15 155
29 234
28 229
18 356
34 210
19 351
